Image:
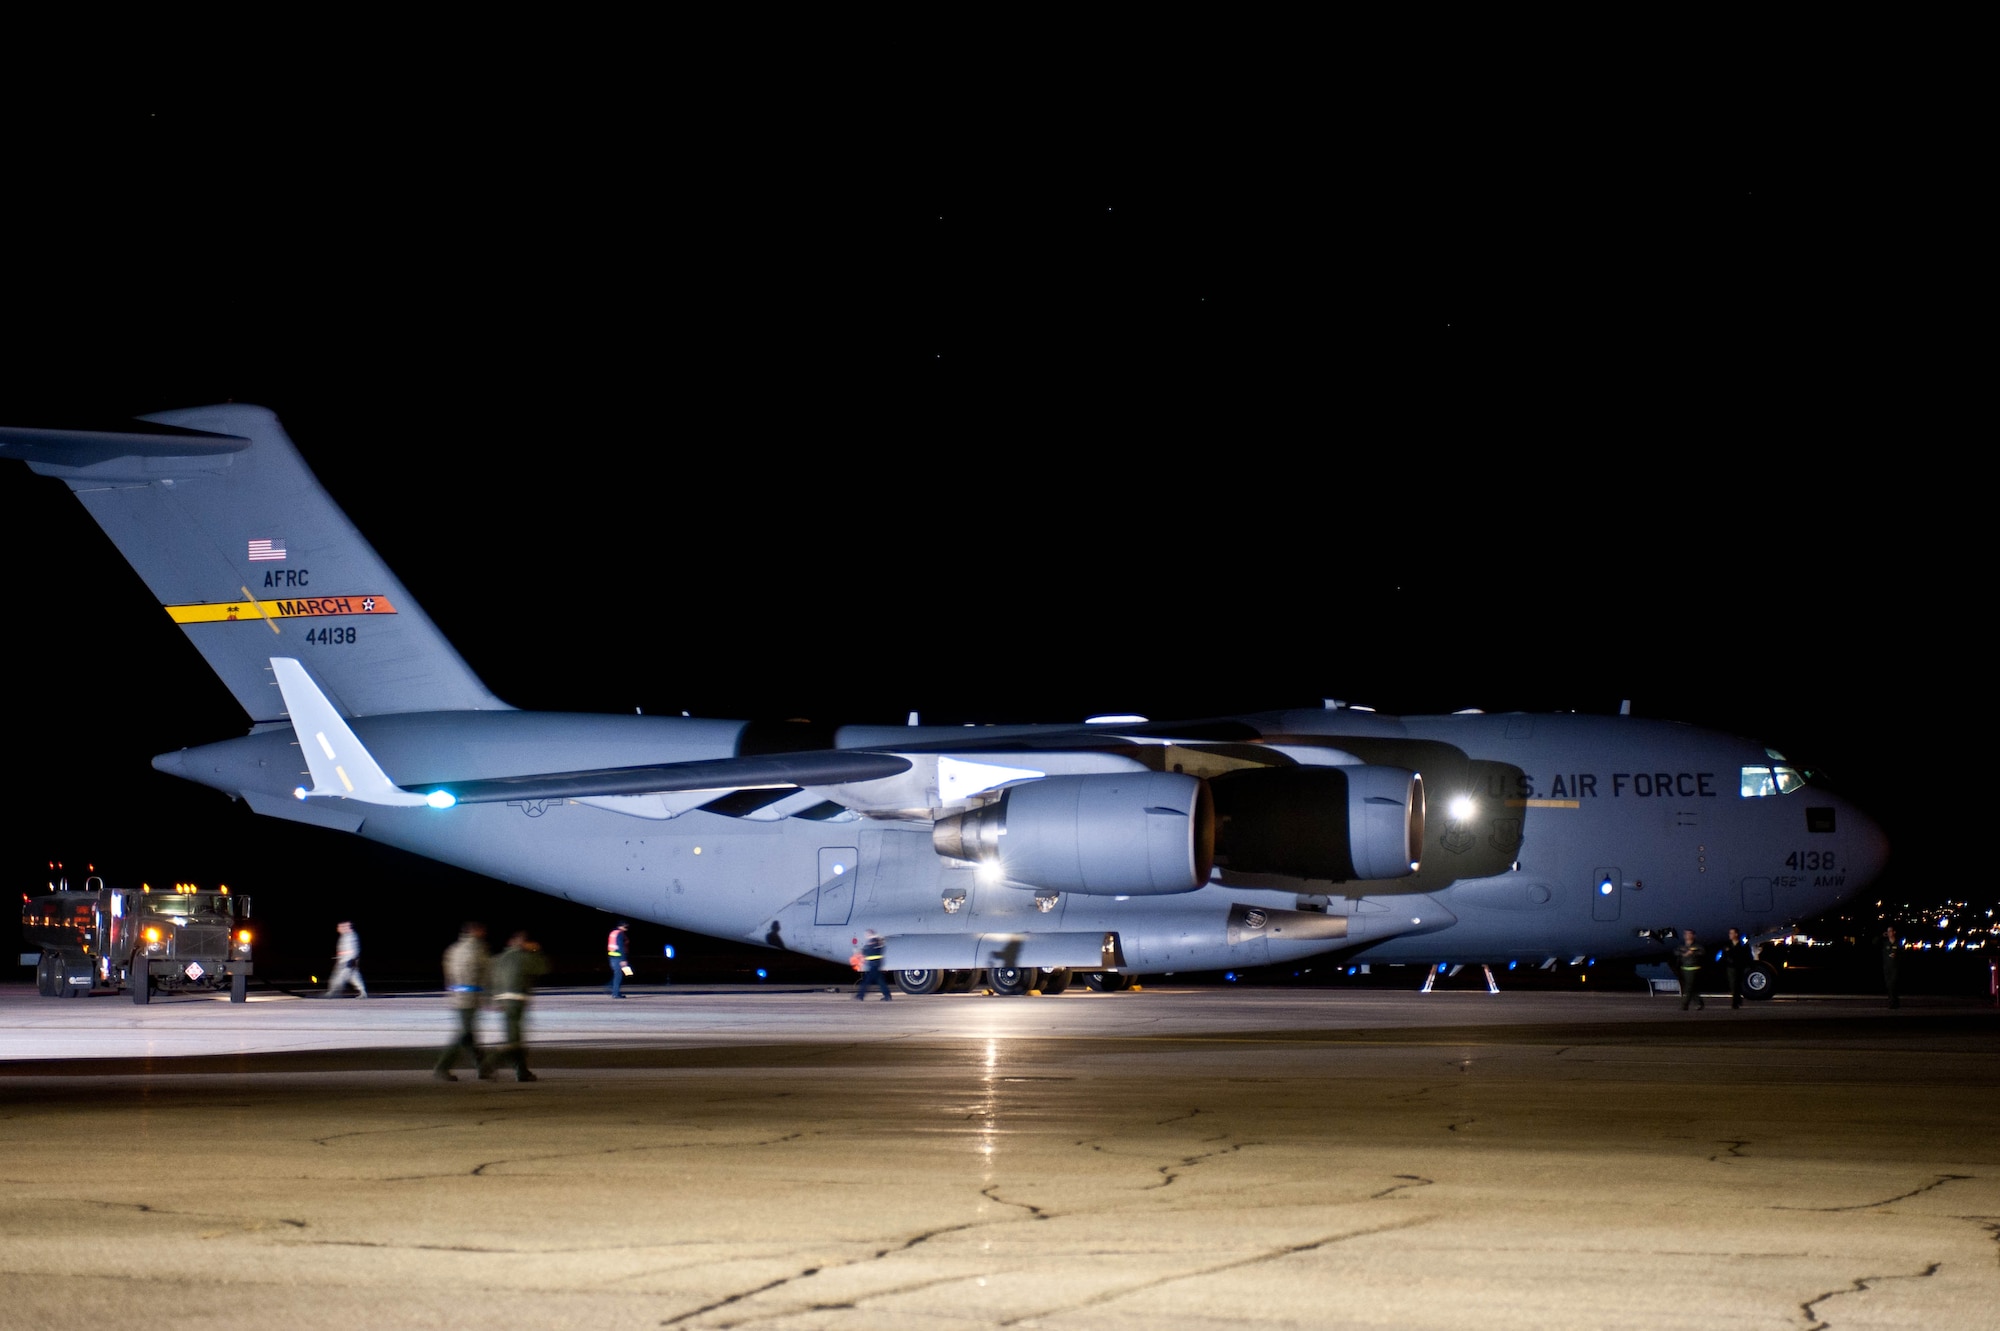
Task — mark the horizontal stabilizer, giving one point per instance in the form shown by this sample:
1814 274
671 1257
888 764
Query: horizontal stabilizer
51 451
340 764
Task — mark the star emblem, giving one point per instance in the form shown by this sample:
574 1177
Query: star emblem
368 605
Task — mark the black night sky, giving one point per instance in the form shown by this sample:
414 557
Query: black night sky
1145 422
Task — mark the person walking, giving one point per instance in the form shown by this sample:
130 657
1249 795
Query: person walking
465 980
1737 959
346 961
1891 945
614 951
1688 957
514 973
873 950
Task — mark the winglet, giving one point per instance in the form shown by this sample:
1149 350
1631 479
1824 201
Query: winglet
340 764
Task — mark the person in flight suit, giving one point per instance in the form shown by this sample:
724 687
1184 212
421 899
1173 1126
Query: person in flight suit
873 950
1736 957
614 952
346 962
1688 957
465 967
514 973
1891 947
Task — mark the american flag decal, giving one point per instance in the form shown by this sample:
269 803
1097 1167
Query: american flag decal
266 551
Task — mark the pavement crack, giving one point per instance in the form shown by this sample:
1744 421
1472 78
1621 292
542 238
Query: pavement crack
1409 1181
1937 1182
1462 1123
1270 1255
858 1300
926 1236
1034 1212
1172 1170
1857 1286
378 1132
1731 1150
209 1217
479 1171
764 1288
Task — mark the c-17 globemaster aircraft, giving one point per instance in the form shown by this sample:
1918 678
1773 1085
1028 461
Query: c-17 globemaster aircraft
1029 852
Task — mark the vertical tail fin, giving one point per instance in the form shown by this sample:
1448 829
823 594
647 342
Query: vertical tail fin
253 559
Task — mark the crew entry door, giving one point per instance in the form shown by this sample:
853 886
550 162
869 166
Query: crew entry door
836 885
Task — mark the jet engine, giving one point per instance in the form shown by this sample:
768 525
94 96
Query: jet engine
1333 823
1127 833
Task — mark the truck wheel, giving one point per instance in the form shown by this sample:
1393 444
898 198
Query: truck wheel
239 987
140 979
49 977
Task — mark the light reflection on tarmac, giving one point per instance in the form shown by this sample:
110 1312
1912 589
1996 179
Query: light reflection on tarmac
788 1158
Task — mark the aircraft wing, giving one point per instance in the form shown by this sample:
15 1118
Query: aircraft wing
341 765
719 775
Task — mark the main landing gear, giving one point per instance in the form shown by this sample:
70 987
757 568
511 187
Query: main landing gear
1009 981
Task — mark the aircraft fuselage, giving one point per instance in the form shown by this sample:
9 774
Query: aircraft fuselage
1545 836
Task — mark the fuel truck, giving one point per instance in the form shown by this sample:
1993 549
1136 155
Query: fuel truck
142 941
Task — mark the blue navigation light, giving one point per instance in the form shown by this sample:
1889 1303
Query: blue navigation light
440 799
762 973
1229 976
1512 964
1604 888
299 791
670 952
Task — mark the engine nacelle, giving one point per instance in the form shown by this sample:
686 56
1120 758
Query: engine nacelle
1334 823
1126 833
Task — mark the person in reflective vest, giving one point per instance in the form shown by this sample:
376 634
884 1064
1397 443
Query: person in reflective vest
614 951
873 949
1688 957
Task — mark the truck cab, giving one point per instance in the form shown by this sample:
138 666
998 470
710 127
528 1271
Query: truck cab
186 940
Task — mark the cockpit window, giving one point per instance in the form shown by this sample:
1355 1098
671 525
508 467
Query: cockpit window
1775 780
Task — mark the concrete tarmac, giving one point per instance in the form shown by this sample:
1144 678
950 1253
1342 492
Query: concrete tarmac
786 1158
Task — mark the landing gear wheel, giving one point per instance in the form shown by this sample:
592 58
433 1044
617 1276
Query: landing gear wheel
1010 981
1054 982
1105 982
1759 981
958 982
920 982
